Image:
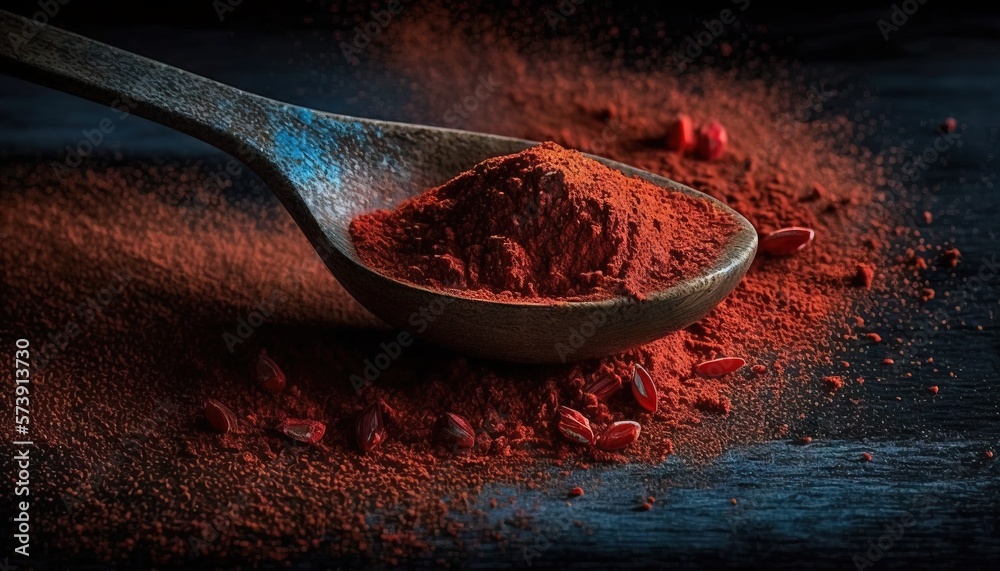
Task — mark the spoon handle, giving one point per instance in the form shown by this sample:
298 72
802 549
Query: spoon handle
218 114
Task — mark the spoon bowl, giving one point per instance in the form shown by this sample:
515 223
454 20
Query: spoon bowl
326 169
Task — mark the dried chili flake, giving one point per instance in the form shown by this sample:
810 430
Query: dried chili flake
303 430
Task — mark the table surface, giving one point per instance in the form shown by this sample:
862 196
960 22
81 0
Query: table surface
930 497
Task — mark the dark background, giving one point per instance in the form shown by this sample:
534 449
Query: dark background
799 506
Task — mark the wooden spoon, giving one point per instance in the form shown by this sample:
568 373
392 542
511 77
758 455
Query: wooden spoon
327 168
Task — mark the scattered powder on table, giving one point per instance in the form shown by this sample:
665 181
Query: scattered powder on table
834 382
174 268
544 223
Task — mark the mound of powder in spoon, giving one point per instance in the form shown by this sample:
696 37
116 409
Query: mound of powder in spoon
545 223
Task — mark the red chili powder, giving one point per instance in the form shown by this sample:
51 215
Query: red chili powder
544 223
131 377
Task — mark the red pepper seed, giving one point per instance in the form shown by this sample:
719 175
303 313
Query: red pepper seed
457 431
681 136
567 414
269 375
219 416
787 241
866 457
574 426
619 435
576 492
369 428
712 141
604 388
719 367
643 388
